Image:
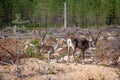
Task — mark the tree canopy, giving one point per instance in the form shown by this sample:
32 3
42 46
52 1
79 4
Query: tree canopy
50 13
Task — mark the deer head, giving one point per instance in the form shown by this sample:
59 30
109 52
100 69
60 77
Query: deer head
41 36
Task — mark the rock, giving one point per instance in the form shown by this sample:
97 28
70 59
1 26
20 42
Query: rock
65 58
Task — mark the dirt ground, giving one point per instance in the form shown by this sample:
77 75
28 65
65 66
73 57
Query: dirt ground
106 54
35 69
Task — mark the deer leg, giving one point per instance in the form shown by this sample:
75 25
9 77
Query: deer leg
83 56
68 55
74 50
49 54
79 55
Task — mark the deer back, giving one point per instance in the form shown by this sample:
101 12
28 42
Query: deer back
80 43
46 49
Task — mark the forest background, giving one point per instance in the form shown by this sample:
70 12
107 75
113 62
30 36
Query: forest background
50 13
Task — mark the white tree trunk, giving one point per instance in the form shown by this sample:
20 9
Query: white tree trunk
65 16
14 30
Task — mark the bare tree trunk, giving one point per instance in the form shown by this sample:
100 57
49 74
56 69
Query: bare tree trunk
65 16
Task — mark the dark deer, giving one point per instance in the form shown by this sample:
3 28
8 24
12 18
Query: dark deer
82 44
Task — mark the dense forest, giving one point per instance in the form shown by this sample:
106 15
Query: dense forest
50 13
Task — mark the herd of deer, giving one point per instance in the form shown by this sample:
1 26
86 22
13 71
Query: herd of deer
72 43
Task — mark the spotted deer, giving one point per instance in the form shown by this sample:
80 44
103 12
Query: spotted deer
82 44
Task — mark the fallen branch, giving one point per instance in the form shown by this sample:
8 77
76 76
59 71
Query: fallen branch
110 52
5 63
7 50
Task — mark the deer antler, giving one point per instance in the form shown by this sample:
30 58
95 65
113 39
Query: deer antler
98 34
96 39
91 35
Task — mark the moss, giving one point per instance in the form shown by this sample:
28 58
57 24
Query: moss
51 72
35 42
48 33
27 34
71 33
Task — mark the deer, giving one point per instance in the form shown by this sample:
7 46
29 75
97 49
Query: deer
48 49
83 44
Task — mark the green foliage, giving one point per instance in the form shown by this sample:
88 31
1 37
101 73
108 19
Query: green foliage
31 53
34 51
51 72
34 26
71 33
78 59
18 21
1 25
35 42
48 33
49 13
63 55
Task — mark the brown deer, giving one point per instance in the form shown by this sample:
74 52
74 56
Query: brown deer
48 49
82 44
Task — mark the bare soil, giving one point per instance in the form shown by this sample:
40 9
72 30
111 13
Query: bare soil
107 56
35 69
